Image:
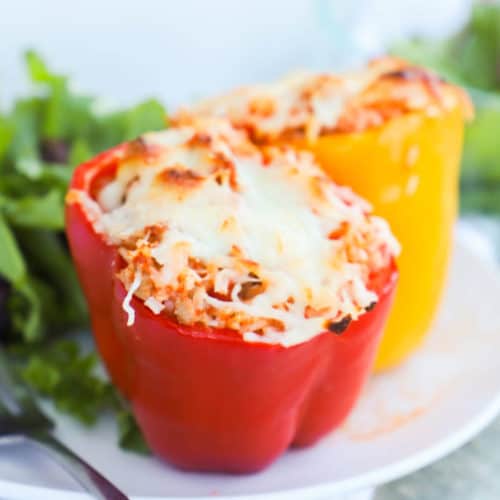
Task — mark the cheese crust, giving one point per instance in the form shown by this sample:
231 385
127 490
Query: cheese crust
314 104
217 232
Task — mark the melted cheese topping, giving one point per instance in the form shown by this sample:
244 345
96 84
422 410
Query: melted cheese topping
214 231
313 104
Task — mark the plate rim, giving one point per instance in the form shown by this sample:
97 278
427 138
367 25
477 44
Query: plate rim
367 480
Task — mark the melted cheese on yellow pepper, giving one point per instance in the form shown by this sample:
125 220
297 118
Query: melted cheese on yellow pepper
312 104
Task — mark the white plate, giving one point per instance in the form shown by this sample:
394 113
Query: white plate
406 419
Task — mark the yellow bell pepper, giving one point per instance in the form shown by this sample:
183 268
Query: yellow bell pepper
408 169
392 132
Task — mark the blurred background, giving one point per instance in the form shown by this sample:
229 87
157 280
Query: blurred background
126 50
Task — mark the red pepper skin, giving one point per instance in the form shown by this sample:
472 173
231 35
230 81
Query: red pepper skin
205 399
95 264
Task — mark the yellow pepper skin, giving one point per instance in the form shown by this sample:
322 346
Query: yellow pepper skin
408 169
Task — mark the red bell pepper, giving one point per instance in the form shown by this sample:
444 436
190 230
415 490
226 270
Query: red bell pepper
204 398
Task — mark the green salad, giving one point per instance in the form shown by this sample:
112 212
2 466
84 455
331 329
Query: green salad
471 58
42 138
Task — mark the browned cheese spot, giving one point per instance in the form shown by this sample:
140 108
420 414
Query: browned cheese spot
180 177
339 327
251 289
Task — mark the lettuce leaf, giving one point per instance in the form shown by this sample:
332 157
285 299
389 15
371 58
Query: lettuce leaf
68 375
42 138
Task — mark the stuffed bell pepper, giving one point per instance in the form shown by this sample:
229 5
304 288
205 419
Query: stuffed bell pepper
391 131
237 295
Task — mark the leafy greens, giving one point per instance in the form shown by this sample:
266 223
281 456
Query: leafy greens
42 138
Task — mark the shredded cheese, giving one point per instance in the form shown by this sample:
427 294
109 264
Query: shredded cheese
134 286
215 231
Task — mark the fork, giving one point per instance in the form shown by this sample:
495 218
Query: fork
21 419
